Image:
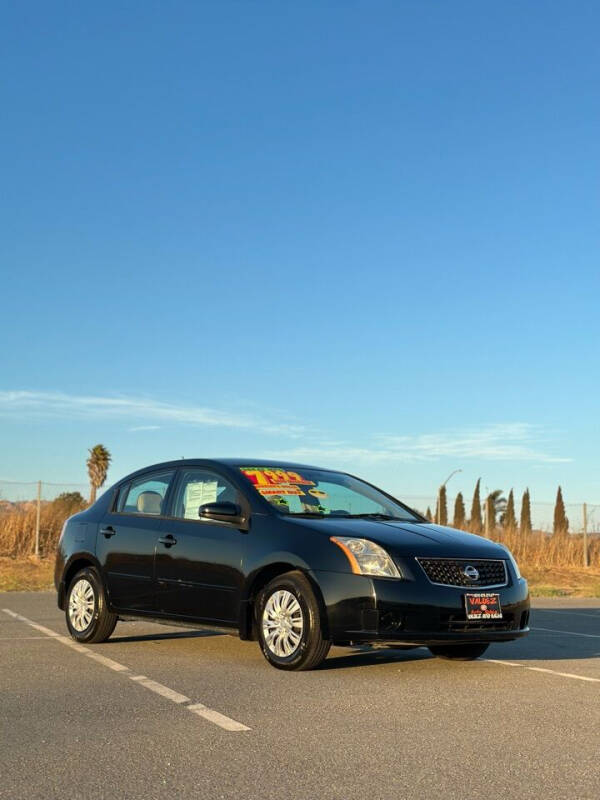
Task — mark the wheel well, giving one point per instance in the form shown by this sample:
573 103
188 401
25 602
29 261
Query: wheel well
261 579
74 568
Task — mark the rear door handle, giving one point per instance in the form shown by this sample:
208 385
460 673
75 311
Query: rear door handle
167 540
108 532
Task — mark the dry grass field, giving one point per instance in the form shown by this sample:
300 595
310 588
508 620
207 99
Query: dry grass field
563 581
26 574
17 526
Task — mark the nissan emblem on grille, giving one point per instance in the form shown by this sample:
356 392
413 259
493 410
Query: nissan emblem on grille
471 573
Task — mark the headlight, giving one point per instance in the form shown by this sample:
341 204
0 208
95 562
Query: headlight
366 557
512 560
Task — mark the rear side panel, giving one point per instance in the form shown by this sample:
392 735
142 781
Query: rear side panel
77 542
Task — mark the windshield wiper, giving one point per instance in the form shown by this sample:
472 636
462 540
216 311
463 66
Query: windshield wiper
375 515
308 514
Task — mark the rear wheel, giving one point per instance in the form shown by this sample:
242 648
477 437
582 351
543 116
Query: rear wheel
288 623
88 619
459 652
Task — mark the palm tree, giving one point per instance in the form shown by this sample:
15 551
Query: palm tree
97 465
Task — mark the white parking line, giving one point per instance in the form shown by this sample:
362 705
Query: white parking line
218 719
170 694
79 648
158 688
108 662
541 669
565 611
31 623
568 633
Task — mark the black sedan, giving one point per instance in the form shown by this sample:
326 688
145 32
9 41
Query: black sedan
296 557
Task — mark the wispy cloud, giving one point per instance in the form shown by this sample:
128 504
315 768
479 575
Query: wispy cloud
57 405
137 428
514 441
518 441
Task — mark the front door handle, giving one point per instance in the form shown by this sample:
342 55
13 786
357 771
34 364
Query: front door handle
108 532
169 540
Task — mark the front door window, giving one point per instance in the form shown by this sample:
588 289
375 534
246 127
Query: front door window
198 487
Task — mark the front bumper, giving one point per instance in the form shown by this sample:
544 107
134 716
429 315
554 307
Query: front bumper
387 611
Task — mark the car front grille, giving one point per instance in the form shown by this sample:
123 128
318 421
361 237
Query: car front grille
451 572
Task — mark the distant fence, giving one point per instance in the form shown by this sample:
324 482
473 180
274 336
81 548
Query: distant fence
24 491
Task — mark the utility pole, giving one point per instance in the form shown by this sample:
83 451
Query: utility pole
586 562
37 519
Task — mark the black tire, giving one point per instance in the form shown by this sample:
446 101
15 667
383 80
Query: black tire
102 622
459 652
312 648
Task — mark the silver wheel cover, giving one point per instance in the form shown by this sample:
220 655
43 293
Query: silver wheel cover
282 623
81 605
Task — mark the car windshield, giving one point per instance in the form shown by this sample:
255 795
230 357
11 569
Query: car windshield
320 493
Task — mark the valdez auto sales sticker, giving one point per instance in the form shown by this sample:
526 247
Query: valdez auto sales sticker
483 605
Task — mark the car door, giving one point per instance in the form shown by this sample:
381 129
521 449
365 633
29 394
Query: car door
127 539
199 562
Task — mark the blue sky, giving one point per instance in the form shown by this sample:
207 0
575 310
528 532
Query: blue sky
362 235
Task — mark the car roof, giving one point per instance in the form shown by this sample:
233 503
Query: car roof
263 462
232 463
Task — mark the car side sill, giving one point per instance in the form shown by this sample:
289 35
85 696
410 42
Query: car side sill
178 623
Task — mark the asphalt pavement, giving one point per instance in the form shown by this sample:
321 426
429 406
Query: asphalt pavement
162 712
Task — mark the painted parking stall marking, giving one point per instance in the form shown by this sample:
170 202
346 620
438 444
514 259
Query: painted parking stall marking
568 633
541 669
219 719
107 662
571 613
226 723
158 688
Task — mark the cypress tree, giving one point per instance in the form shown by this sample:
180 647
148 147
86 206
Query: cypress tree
428 514
475 523
510 519
459 511
526 514
441 508
561 523
490 515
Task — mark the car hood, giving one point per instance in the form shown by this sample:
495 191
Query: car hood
410 538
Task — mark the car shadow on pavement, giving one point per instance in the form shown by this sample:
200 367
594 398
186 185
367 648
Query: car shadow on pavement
147 637
365 657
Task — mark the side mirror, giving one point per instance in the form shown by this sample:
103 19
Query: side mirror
223 512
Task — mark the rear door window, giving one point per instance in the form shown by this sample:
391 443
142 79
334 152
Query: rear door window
145 495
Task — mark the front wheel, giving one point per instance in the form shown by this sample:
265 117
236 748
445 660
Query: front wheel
288 622
88 619
459 652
